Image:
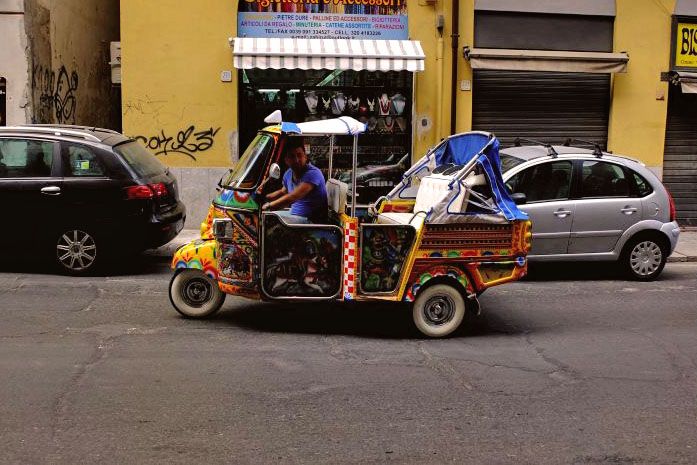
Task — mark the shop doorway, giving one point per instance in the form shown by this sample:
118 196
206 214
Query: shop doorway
546 106
680 154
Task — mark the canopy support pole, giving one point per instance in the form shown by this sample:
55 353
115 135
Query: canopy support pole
354 168
331 156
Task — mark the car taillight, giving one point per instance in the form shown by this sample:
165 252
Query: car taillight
671 204
147 191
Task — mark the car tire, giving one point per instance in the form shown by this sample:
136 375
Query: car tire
644 257
195 294
77 250
438 310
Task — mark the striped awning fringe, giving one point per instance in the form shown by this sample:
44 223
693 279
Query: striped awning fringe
332 54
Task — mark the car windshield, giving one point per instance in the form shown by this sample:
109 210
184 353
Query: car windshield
143 162
247 171
509 161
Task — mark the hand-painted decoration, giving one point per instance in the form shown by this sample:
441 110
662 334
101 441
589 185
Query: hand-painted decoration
239 255
384 250
324 19
301 261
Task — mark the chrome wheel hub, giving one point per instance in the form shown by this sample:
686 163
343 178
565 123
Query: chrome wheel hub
439 310
645 258
197 292
76 250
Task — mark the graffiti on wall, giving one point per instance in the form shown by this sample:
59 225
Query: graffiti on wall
189 141
55 93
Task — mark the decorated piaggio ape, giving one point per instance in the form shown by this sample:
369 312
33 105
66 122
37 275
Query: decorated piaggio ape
443 235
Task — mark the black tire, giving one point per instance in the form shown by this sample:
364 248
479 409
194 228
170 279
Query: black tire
194 294
77 250
438 310
644 257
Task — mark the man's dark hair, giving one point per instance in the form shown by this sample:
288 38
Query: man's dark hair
293 143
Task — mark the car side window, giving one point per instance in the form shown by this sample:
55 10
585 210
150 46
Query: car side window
21 158
642 185
80 161
602 179
543 182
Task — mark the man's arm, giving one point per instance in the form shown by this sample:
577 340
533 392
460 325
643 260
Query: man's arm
276 194
298 193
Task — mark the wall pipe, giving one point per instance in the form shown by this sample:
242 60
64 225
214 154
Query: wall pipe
455 57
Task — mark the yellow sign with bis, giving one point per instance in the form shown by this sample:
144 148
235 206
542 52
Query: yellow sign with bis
686 46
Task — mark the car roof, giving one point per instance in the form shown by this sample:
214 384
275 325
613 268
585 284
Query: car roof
531 152
67 132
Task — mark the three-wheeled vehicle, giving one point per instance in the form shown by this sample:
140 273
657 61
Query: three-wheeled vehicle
448 231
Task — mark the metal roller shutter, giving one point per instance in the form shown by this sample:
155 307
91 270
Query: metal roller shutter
549 107
680 155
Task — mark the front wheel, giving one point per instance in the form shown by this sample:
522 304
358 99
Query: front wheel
644 258
438 310
194 294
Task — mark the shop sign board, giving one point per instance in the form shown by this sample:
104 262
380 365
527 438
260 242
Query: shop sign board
323 19
686 45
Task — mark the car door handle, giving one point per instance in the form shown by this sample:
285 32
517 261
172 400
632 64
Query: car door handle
629 210
562 213
51 190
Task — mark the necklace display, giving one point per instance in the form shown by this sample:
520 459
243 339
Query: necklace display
311 101
398 103
327 103
389 124
353 104
384 105
371 105
338 103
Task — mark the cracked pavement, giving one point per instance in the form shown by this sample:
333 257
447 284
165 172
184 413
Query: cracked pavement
565 367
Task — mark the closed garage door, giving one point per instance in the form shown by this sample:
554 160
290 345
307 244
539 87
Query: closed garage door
549 107
680 156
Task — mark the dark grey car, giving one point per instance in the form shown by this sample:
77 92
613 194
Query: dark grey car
588 205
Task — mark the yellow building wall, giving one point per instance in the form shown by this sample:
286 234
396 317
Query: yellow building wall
639 98
173 54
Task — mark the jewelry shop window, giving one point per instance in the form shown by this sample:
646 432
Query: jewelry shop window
381 100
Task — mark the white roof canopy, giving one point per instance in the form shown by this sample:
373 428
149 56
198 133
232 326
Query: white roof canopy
341 54
547 60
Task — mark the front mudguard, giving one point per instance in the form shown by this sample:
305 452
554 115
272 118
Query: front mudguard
199 254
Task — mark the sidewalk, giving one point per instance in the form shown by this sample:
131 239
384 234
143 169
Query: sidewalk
686 250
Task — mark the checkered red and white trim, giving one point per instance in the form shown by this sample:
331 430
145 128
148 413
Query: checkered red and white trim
350 257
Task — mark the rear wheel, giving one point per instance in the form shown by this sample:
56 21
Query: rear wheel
76 251
644 257
438 310
194 294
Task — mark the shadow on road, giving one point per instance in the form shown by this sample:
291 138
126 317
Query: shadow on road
370 320
125 265
574 271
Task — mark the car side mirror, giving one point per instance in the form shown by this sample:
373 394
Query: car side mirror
519 198
222 229
275 171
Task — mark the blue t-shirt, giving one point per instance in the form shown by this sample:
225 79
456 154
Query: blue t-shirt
314 205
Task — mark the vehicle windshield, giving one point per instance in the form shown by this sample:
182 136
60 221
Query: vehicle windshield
247 171
509 161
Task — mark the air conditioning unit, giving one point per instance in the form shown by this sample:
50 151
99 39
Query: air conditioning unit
115 63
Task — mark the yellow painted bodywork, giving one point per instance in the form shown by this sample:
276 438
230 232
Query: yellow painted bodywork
198 254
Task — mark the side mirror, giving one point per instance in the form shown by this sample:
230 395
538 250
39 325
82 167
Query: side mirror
519 198
275 171
222 229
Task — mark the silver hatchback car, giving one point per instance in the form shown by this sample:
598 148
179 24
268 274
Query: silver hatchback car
592 205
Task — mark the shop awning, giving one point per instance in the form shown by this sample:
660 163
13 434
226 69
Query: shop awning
687 81
334 54
546 60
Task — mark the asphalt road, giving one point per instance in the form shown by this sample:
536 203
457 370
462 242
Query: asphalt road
569 367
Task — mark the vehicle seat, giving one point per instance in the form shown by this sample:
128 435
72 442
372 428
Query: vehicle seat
337 194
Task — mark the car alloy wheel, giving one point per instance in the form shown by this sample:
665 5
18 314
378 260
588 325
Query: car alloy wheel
76 250
645 258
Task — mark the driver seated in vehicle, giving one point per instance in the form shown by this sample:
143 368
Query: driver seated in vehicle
303 188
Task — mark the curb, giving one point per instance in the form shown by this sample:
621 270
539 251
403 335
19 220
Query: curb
683 259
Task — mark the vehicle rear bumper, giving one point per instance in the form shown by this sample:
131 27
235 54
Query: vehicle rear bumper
162 228
672 230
